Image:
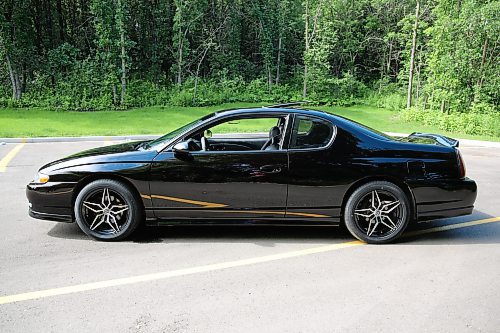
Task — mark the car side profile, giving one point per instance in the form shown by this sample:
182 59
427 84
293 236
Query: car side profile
270 165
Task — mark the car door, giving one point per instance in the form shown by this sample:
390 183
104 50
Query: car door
226 185
314 172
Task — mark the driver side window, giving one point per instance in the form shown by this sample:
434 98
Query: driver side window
241 134
245 127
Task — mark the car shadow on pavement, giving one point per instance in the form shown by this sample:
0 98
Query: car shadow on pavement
268 236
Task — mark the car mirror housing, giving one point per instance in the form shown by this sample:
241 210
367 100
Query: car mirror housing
181 147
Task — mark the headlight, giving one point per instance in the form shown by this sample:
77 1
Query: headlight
40 178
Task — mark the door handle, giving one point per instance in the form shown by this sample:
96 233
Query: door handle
271 168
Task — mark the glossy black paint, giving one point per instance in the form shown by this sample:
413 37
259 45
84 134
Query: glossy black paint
307 186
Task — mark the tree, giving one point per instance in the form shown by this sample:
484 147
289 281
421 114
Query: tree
187 14
16 43
120 18
311 21
412 57
463 46
99 54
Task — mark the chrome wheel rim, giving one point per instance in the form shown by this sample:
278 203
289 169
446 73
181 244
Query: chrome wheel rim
104 211
379 214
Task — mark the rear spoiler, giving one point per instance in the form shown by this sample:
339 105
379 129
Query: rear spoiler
444 140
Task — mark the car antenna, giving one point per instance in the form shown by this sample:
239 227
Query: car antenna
287 105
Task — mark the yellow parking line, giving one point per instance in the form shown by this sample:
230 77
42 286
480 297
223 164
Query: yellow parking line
170 274
209 268
10 155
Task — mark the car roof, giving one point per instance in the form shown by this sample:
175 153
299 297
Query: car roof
281 110
269 110
353 127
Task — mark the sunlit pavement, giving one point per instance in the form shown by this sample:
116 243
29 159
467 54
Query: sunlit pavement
245 279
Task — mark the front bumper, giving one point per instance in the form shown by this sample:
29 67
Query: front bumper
50 217
444 198
51 201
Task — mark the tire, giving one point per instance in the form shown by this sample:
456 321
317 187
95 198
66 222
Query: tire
377 212
108 210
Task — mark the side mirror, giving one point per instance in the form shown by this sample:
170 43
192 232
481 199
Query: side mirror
181 148
208 134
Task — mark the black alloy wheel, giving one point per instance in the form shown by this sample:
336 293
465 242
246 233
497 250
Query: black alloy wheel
107 210
377 212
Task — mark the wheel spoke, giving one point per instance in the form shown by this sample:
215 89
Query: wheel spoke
390 220
361 211
378 199
374 227
115 223
109 223
88 204
389 207
105 196
388 226
92 227
95 219
121 209
369 226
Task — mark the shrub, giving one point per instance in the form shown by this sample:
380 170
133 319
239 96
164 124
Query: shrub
343 91
468 123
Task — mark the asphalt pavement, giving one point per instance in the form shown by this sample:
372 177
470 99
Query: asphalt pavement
444 276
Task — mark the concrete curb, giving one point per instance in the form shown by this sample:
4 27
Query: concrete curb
463 142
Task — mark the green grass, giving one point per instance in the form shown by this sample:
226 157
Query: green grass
39 122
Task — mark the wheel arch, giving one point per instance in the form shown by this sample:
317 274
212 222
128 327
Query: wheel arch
401 184
93 177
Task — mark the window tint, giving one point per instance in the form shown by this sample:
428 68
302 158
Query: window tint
244 126
310 133
305 126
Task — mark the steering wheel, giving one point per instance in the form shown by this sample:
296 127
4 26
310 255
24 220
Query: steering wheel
205 146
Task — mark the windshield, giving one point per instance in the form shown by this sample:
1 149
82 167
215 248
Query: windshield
164 140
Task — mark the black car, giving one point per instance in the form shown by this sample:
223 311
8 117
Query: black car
311 168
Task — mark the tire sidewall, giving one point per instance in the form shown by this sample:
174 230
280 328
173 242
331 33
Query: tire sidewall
359 193
134 216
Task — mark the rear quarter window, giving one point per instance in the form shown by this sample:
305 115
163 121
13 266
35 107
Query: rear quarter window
310 132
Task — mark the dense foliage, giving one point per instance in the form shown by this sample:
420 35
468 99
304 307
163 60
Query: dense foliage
101 54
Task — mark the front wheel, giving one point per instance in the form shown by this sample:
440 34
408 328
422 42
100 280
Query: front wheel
377 212
107 210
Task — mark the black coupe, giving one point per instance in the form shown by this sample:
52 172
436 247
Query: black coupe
308 167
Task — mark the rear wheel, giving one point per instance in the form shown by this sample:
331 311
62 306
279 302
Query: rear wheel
377 212
107 210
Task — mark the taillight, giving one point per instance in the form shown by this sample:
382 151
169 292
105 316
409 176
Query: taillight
461 165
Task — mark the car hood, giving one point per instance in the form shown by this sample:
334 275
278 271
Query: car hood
120 153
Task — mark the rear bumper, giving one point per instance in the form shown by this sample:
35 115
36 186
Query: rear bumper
444 198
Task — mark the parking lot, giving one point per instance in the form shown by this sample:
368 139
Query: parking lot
444 276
